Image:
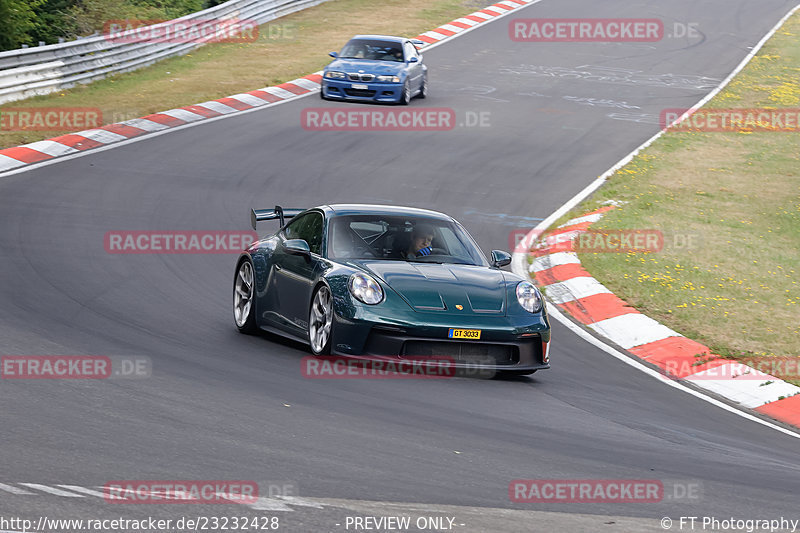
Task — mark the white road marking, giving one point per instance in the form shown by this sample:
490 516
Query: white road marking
573 289
144 124
633 329
306 84
277 91
483 16
454 29
594 217
14 490
249 99
497 10
219 107
51 490
433 34
268 504
183 114
84 490
51 148
101 136
468 22
546 262
301 502
746 389
7 163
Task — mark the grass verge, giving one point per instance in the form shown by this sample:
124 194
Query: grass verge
728 204
287 48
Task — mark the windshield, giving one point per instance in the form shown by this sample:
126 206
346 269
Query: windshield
402 238
375 50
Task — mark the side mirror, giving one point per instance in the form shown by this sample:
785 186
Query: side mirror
297 246
333 54
500 258
413 59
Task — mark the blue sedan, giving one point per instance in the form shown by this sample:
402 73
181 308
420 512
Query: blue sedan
376 68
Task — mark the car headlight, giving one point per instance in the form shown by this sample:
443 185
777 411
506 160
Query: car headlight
335 75
365 288
388 79
529 297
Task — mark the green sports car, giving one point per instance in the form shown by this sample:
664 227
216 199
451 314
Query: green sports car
397 282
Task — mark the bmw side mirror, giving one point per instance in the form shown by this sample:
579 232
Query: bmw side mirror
500 258
333 54
412 59
297 246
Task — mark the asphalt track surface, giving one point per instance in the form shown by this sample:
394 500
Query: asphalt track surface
220 405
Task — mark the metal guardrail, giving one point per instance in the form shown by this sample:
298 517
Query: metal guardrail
30 71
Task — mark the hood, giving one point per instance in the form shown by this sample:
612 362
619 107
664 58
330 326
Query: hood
379 68
433 287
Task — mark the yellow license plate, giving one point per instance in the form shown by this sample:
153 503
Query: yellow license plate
464 334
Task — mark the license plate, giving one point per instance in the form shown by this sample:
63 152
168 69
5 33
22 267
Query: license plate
359 86
464 334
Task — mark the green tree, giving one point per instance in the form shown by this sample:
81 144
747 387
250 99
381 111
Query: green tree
89 16
17 22
54 22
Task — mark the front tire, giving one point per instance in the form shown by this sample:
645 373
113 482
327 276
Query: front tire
320 321
405 96
244 310
423 90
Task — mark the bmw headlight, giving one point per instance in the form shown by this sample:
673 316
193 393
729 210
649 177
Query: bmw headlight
529 297
365 288
335 75
388 79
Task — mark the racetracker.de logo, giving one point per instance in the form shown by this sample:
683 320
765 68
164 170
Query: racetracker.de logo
228 30
55 367
334 119
586 490
338 367
621 241
732 120
75 367
50 118
710 367
584 30
176 491
178 242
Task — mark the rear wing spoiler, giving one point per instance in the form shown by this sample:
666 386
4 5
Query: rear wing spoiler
258 215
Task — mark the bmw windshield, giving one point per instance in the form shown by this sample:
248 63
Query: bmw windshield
372 50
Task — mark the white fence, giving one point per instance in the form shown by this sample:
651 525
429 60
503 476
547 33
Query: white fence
43 69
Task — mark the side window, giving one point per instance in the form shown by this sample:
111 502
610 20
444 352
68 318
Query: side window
309 228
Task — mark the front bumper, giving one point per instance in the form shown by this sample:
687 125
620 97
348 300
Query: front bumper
336 89
513 344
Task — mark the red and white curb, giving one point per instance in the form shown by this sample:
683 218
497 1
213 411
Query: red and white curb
556 268
74 143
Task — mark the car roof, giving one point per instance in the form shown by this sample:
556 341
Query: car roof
391 38
375 209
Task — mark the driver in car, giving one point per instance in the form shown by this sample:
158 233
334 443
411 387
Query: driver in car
421 238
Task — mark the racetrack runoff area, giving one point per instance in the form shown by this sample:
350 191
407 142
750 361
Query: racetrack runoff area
725 196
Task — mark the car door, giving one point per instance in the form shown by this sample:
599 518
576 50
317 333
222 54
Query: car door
414 69
295 273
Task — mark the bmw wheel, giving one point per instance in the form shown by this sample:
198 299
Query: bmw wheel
423 90
405 97
244 312
320 321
